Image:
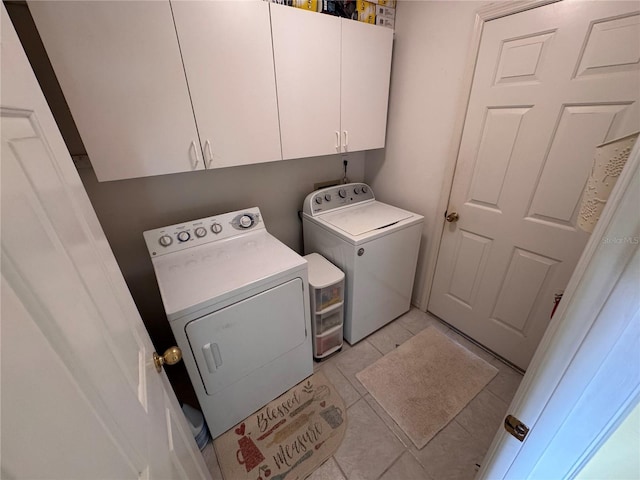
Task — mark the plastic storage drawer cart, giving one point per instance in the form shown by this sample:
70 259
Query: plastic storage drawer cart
326 287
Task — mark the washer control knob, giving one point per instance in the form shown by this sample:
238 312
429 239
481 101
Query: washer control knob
342 192
184 236
200 232
245 221
357 190
165 240
318 200
364 189
216 228
327 197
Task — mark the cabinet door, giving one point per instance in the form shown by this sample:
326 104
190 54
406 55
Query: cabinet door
228 59
366 68
306 47
119 67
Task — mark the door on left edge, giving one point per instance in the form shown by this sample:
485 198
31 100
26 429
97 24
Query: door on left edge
80 394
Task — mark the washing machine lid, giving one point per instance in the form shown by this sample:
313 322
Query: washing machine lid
365 218
193 279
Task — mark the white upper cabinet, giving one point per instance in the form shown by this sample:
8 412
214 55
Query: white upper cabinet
228 59
366 69
159 87
306 48
119 66
333 82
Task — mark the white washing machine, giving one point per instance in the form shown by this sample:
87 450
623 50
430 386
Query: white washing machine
237 302
375 244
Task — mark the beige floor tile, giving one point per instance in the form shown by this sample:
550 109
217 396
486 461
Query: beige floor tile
483 417
388 421
506 382
356 359
406 468
369 447
389 337
329 470
211 461
331 358
344 388
451 455
416 320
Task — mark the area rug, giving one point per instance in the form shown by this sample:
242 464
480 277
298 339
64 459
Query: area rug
287 439
425 382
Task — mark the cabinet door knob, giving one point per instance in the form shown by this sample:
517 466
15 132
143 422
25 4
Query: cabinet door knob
346 139
337 141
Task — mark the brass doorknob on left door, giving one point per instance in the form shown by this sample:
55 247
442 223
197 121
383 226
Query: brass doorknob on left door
452 217
171 356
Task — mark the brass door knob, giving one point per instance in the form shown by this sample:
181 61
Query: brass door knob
452 217
171 356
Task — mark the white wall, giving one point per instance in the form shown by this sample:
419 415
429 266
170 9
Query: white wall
429 57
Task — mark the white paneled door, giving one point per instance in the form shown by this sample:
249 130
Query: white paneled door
80 395
550 84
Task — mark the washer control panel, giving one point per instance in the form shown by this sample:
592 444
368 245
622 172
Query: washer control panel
205 230
337 196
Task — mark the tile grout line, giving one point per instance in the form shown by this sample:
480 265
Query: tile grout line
335 460
385 423
391 465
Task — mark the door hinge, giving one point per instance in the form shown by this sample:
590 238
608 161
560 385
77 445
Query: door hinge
515 427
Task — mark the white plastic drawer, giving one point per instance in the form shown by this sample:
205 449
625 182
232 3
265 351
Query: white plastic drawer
327 321
328 296
324 343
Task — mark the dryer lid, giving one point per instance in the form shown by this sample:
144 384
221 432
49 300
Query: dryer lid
365 218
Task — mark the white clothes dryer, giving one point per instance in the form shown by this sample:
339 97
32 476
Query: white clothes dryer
375 244
238 304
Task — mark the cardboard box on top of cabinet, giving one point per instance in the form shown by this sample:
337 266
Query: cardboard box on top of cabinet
385 3
312 5
366 11
385 22
339 8
386 12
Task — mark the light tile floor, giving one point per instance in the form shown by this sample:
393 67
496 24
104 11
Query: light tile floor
375 447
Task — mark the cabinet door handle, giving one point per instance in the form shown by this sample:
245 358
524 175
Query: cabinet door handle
194 157
337 140
346 139
207 149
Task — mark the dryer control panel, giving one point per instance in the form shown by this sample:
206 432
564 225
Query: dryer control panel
204 230
337 196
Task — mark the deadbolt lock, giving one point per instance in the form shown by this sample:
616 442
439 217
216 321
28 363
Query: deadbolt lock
171 356
515 427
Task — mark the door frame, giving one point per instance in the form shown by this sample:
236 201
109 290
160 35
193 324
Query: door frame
483 15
